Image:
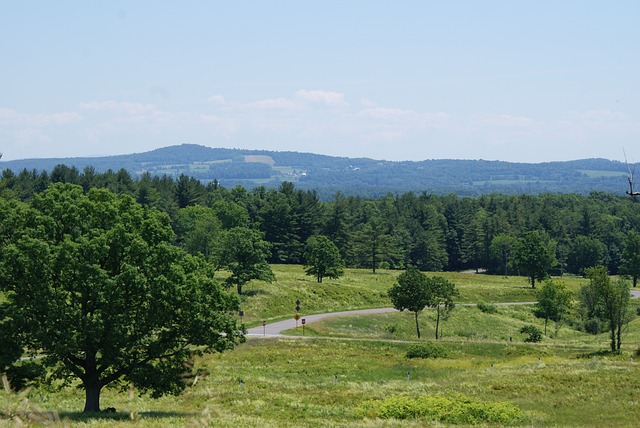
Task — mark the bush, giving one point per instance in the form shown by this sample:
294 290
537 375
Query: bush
593 326
391 328
428 350
458 409
535 334
488 308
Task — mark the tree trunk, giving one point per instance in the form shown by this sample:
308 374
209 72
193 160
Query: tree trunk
533 282
545 325
437 320
613 337
91 383
92 398
417 326
635 280
239 287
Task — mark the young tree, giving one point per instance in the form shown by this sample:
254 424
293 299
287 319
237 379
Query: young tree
441 293
535 255
94 284
322 258
501 248
631 257
410 293
414 291
554 300
612 302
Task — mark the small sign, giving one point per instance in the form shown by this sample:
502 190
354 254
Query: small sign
264 323
303 321
296 317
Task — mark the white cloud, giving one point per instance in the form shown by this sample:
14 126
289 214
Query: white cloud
274 104
122 107
217 99
322 97
12 118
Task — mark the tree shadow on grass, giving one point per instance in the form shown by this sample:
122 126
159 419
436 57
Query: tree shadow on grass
124 416
251 293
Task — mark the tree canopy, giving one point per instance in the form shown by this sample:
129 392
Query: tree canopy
94 284
322 258
414 292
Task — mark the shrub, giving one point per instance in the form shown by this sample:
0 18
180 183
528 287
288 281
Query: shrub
457 409
391 328
428 350
535 334
488 308
593 326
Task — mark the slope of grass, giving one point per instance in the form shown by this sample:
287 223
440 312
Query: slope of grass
321 383
362 289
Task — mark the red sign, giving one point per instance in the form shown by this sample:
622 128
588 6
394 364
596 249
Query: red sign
303 321
264 323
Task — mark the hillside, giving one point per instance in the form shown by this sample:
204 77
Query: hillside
354 176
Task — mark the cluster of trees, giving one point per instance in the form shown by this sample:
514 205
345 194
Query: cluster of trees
523 234
603 304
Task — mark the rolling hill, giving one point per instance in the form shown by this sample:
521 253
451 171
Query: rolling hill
354 176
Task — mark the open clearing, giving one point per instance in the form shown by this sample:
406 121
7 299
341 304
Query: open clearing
321 380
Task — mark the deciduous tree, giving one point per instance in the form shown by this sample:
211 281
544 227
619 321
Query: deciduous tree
414 291
613 298
322 258
554 301
535 255
631 257
93 283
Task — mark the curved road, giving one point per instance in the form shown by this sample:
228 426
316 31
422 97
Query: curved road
275 329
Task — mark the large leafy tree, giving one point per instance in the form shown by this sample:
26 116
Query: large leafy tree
322 258
535 255
95 286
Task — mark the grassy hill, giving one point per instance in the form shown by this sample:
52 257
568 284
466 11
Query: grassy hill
351 176
331 378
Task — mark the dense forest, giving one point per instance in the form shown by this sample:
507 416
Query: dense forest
353 176
431 232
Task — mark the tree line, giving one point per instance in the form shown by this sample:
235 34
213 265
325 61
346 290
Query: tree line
529 235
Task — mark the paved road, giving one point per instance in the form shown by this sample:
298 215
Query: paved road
275 329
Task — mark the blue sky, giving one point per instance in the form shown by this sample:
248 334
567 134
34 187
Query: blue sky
526 81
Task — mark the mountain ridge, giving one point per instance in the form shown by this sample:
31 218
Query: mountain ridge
353 176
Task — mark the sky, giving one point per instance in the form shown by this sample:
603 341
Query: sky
519 81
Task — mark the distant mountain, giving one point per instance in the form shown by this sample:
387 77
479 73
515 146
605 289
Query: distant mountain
354 176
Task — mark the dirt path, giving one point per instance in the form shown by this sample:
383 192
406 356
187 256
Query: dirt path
275 329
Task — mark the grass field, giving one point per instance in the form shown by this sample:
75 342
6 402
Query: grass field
325 379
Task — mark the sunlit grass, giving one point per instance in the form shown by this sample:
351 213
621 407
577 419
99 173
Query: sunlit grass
320 383
362 289
320 380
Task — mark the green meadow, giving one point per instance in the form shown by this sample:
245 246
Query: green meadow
354 372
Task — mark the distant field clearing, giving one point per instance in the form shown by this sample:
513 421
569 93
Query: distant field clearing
259 159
